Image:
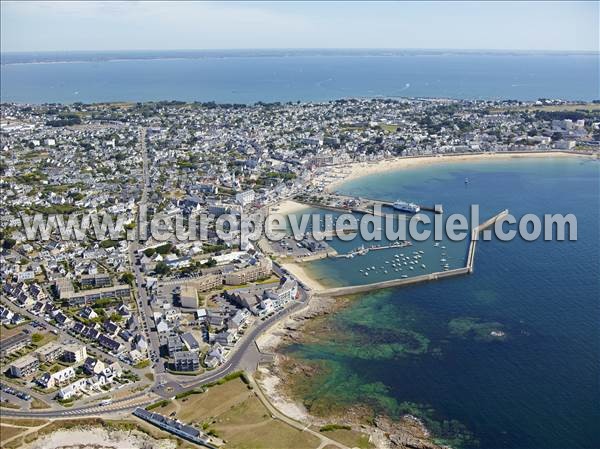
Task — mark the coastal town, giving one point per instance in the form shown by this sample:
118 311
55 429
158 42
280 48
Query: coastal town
99 326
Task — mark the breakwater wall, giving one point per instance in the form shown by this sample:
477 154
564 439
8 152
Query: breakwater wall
467 269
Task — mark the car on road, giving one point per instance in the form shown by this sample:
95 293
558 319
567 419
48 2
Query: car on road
23 396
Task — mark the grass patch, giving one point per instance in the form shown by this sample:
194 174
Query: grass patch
249 425
232 376
7 432
158 404
229 410
218 399
37 404
184 373
142 364
24 422
9 405
331 427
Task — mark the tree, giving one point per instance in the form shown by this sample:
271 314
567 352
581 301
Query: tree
8 243
128 278
210 263
149 252
36 338
162 268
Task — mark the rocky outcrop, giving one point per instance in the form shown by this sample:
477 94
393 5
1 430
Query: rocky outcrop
406 433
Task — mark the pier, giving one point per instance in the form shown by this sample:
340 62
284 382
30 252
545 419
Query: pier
365 249
360 205
467 269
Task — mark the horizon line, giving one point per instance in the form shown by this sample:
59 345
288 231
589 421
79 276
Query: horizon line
499 50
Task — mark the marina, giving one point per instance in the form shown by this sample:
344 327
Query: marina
445 273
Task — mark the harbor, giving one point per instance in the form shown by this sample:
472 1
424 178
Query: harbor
361 205
406 280
363 250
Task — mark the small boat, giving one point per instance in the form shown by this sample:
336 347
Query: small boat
384 271
404 276
366 274
466 180
436 244
423 266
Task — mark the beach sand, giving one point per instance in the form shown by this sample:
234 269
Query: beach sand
99 438
287 207
302 273
362 169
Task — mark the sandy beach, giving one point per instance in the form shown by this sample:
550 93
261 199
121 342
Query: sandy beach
362 169
287 207
99 438
301 273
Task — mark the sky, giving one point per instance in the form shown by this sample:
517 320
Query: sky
137 25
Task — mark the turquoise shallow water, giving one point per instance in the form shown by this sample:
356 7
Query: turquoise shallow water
429 345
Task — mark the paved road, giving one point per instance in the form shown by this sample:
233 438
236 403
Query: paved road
125 404
276 414
90 350
145 312
239 359
245 354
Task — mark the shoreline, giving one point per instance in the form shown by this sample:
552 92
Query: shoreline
302 273
363 169
273 379
287 207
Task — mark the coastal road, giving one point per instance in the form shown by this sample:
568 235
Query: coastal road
246 354
276 414
121 405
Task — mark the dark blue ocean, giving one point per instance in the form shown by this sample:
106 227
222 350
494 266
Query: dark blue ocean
311 75
427 349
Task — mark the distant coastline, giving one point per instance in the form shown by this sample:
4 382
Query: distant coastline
40 57
268 76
